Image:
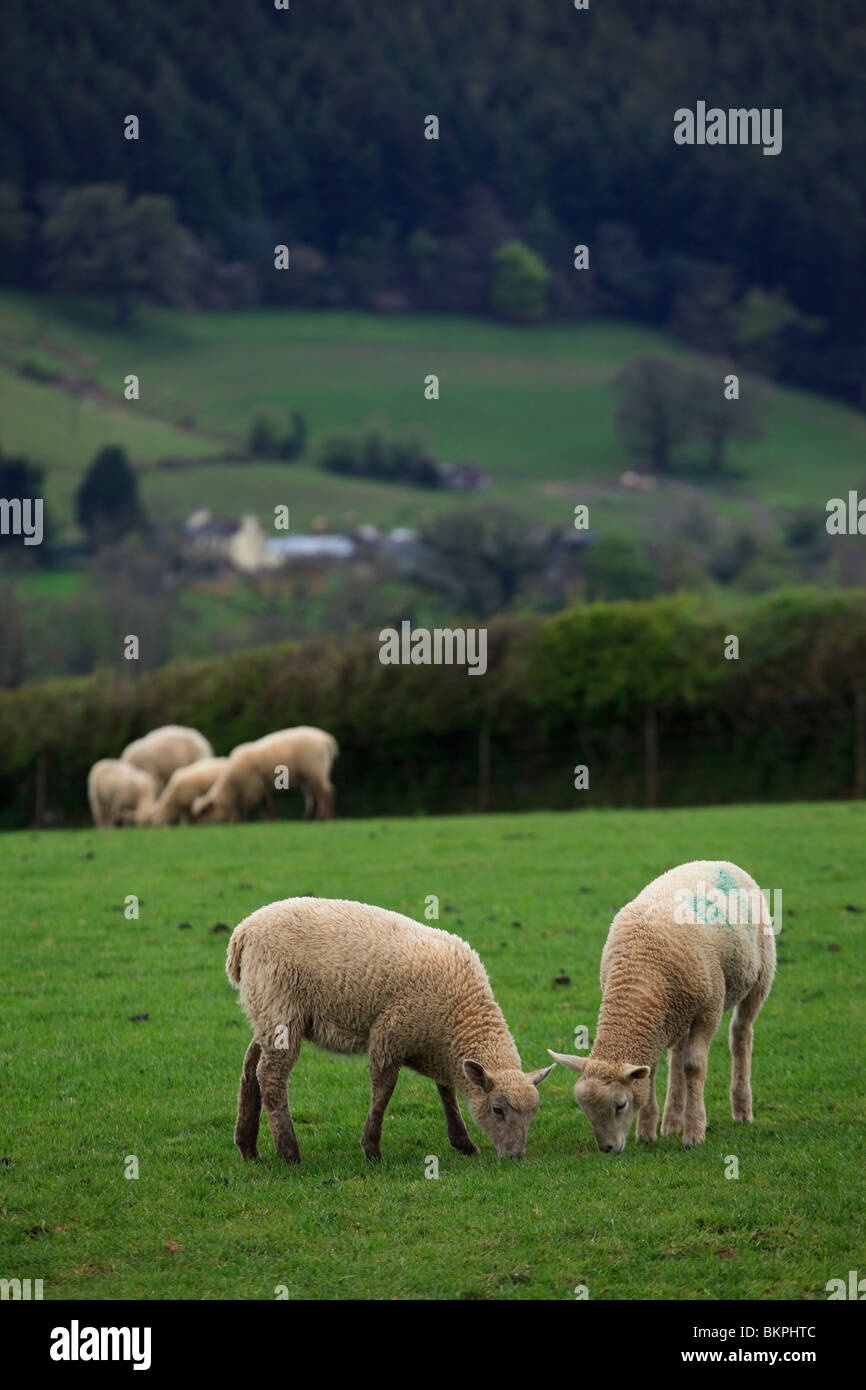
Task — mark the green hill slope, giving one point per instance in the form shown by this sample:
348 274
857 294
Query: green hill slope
535 407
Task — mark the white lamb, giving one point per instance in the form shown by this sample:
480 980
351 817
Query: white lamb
119 793
164 750
182 789
354 978
251 774
695 942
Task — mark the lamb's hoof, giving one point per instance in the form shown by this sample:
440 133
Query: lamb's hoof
742 1117
249 1154
645 1138
667 1130
469 1149
289 1155
372 1153
690 1140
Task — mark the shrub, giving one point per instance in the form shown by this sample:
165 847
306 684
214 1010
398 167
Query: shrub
263 436
341 451
784 720
519 285
294 445
374 453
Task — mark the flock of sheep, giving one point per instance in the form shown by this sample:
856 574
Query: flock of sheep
359 979
172 775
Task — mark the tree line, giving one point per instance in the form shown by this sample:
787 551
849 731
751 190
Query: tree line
306 127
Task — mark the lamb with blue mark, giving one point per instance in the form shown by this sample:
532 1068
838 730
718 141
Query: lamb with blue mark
695 942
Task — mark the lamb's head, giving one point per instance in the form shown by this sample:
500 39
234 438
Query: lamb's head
214 806
610 1094
142 812
502 1103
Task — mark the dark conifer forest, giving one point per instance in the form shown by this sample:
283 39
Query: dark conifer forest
307 128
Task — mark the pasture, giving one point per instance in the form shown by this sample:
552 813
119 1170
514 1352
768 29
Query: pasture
534 407
86 1087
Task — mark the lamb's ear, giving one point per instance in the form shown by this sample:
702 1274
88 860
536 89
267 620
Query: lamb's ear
474 1072
633 1074
575 1063
536 1077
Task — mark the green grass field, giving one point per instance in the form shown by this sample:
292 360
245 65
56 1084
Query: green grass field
85 1087
534 406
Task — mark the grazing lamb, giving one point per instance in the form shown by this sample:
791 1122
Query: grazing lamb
119 794
182 789
353 978
249 775
164 750
697 941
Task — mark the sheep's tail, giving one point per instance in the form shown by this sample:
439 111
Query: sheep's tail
233 955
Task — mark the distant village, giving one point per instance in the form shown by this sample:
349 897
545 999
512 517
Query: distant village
245 546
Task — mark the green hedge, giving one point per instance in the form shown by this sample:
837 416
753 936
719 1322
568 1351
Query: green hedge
621 687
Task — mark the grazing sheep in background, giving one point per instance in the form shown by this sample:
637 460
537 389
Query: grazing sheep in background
249 776
182 788
697 941
119 794
164 750
353 978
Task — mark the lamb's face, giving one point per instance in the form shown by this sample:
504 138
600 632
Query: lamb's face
503 1103
148 796
211 808
610 1094
202 807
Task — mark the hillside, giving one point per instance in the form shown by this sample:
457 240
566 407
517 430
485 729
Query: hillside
533 406
556 125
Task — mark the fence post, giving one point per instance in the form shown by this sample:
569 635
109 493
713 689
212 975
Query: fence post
41 780
860 744
484 769
651 757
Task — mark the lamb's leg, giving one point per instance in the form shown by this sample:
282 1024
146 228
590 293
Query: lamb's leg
324 802
309 804
458 1134
272 1072
648 1119
249 1104
740 1039
675 1096
383 1079
695 1067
